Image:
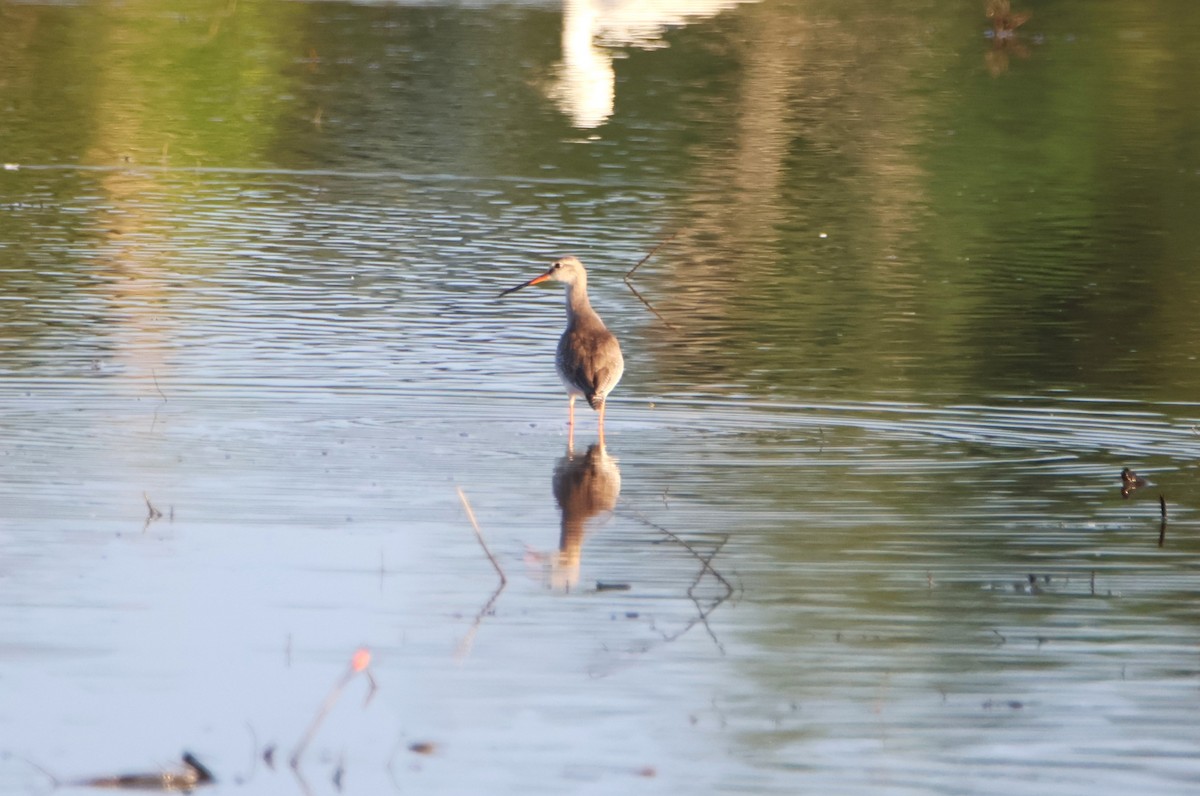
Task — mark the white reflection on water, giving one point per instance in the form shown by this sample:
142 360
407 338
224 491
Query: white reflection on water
592 29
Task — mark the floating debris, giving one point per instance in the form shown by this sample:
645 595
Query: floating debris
152 513
192 775
1131 482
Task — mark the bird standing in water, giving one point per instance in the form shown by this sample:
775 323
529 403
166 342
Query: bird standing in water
589 358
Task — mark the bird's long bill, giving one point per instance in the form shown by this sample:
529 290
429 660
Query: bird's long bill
533 281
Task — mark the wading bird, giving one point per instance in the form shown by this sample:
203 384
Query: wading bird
589 358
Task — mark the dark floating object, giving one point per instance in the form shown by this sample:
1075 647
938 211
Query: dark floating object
422 747
1131 482
602 586
192 774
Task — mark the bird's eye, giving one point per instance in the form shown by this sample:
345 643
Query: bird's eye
556 266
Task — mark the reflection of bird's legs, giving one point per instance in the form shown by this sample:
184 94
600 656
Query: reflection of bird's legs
571 424
602 405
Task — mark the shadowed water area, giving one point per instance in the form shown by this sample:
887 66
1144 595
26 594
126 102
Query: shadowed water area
927 283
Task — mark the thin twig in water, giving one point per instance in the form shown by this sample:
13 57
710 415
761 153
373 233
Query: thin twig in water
634 290
55 781
253 753
151 512
154 377
652 252
358 663
161 394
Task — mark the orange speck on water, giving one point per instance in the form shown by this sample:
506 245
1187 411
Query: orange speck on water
361 659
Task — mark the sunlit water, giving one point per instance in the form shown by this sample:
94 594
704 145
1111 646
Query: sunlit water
869 533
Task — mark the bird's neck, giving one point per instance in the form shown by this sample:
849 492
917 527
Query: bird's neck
577 302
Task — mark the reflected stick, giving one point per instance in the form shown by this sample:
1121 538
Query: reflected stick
674 537
649 306
358 663
1162 526
703 613
479 535
706 567
464 646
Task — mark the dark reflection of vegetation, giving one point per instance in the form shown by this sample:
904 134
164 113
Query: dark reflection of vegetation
979 236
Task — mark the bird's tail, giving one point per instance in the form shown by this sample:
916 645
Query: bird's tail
595 401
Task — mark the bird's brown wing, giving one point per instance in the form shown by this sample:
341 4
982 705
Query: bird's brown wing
591 361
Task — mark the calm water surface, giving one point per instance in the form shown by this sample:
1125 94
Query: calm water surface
928 286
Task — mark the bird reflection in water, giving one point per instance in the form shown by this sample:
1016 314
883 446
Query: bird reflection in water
586 488
1004 36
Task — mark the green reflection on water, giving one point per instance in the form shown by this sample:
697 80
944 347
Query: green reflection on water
868 204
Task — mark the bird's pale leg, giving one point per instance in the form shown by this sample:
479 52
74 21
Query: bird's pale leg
571 424
602 405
